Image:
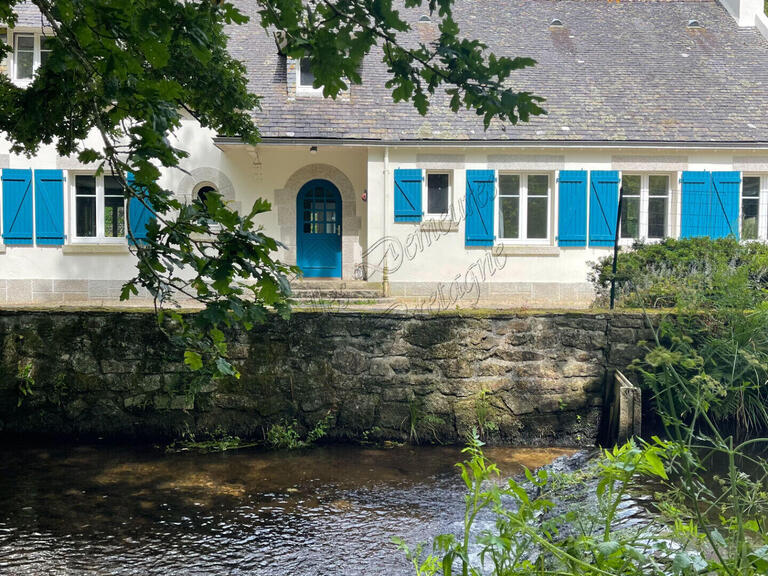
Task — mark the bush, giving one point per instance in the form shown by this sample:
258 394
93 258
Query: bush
666 274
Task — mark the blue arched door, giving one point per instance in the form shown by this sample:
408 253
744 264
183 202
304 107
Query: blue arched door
318 230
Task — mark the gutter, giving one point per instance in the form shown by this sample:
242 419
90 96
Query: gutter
611 144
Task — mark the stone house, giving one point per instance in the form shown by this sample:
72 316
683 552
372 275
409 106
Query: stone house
665 99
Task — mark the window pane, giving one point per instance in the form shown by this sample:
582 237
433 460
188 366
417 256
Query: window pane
631 184
24 54
538 185
509 223
85 208
658 185
85 185
751 186
112 186
114 216
657 218
630 218
749 218
437 193
45 49
537 217
25 42
306 77
509 184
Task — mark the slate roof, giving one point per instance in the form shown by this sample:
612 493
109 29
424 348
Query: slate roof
626 71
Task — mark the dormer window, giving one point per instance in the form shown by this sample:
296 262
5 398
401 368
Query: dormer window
305 79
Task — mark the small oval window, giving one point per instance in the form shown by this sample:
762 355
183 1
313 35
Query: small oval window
202 194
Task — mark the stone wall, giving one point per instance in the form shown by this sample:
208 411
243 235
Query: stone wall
538 377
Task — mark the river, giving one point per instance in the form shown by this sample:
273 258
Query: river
324 511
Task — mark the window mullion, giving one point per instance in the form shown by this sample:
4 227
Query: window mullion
762 232
523 207
100 207
645 206
36 54
549 209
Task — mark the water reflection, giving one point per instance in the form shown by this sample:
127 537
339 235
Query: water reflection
325 511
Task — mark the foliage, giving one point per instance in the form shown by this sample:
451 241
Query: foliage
285 435
527 540
422 423
128 72
671 272
26 382
218 441
482 413
712 353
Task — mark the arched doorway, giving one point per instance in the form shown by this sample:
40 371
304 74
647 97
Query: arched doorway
318 230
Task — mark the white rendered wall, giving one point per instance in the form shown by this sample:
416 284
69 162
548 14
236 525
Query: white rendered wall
441 263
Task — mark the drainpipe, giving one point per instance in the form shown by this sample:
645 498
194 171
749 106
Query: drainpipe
385 227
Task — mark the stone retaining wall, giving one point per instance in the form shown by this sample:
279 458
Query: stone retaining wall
529 378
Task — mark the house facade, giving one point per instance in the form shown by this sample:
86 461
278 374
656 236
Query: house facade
665 100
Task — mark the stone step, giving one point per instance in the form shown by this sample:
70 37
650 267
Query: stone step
335 294
334 284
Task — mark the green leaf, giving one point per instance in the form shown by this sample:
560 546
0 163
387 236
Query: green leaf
193 360
608 548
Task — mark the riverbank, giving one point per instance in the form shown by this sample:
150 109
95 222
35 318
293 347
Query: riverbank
523 378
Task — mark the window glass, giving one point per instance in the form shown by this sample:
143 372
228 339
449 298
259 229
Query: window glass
306 77
657 218
658 191
24 56
509 206
85 206
45 49
538 189
750 207
658 185
114 208
437 193
630 206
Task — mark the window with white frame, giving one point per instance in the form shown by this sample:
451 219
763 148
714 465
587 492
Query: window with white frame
99 208
750 207
305 78
524 208
645 206
438 194
30 51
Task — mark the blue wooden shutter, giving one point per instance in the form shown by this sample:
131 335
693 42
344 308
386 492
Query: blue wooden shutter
139 216
408 195
572 209
480 207
695 212
603 207
726 190
49 207
17 206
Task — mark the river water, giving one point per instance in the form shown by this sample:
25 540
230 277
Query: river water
324 511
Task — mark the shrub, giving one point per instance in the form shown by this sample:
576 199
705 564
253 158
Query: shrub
692 269
285 435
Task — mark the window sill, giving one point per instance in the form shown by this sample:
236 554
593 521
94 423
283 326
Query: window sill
309 91
95 249
527 250
439 225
